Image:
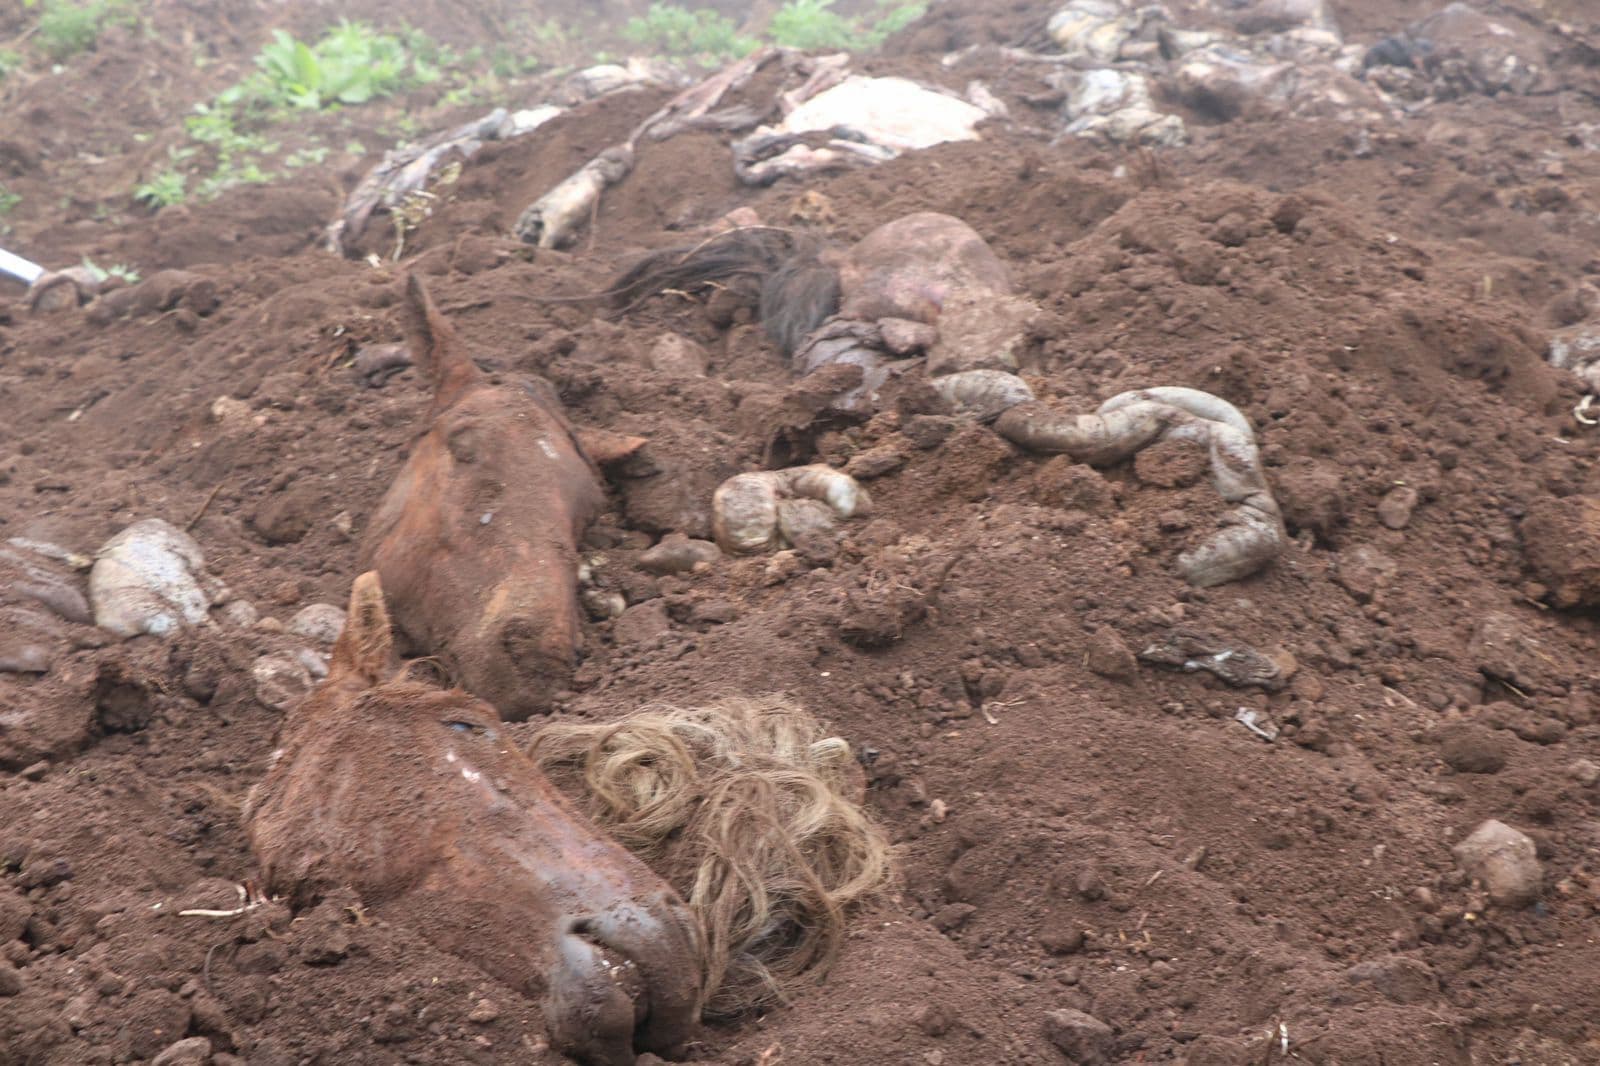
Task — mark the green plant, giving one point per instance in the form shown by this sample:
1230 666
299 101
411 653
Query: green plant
121 271
8 200
67 27
10 61
163 190
813 24
677 31
351 64
894 17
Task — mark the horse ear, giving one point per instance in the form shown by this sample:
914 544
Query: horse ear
436 347
365 648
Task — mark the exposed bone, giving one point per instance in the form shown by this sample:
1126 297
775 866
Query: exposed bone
1131 421
758 511
552 219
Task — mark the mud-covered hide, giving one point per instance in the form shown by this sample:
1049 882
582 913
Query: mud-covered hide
418 799
476 540
932 268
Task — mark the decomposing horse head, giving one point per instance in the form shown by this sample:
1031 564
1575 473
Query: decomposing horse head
416 798
476 540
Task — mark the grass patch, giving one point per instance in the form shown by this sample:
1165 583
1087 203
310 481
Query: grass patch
164 190
676 31
350 65
67 27
810 25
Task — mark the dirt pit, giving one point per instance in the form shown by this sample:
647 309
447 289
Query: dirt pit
1103 858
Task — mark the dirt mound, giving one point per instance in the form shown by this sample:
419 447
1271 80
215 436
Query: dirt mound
1085 821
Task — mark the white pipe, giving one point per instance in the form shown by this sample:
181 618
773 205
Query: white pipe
19 268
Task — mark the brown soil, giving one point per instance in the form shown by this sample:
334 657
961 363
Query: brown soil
1076 830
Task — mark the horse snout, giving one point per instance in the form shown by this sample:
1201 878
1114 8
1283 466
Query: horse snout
627 978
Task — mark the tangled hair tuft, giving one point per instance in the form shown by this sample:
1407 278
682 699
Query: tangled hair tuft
744 806
781 273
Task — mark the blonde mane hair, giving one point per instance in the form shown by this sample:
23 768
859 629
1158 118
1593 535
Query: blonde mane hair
749 809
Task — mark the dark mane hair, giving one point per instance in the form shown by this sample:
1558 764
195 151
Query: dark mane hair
783 274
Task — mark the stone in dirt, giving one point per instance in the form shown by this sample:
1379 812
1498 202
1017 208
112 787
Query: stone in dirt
1398 979
1109 656
1505 650
320 622
1083 1038
281 680
1505 860
195 1051
1474 749
678 356
150 578
1394 510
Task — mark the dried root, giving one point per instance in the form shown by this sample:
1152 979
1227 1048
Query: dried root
772 509
1134 420
746 807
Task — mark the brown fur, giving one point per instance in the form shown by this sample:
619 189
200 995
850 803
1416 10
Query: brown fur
749 808
417 799
495 600
790 278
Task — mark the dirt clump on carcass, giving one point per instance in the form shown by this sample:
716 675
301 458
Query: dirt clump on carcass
1105 849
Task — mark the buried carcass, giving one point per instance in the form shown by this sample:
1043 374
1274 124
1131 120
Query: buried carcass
418 799
928 284
476 540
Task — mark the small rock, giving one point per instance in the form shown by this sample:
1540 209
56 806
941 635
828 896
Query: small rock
641 622
343 524
1394 510
875 462
1583 771
150 578
1083 1038
484 1013
1364 570
1504 649
241 613
36 771
1062 940
678 356
195 1051
603 604
10 979
953 916
713 612
1109 656
929 431
1473 749
314 662
678 554
226 409
321 622
281 680
934 1019
1505 861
